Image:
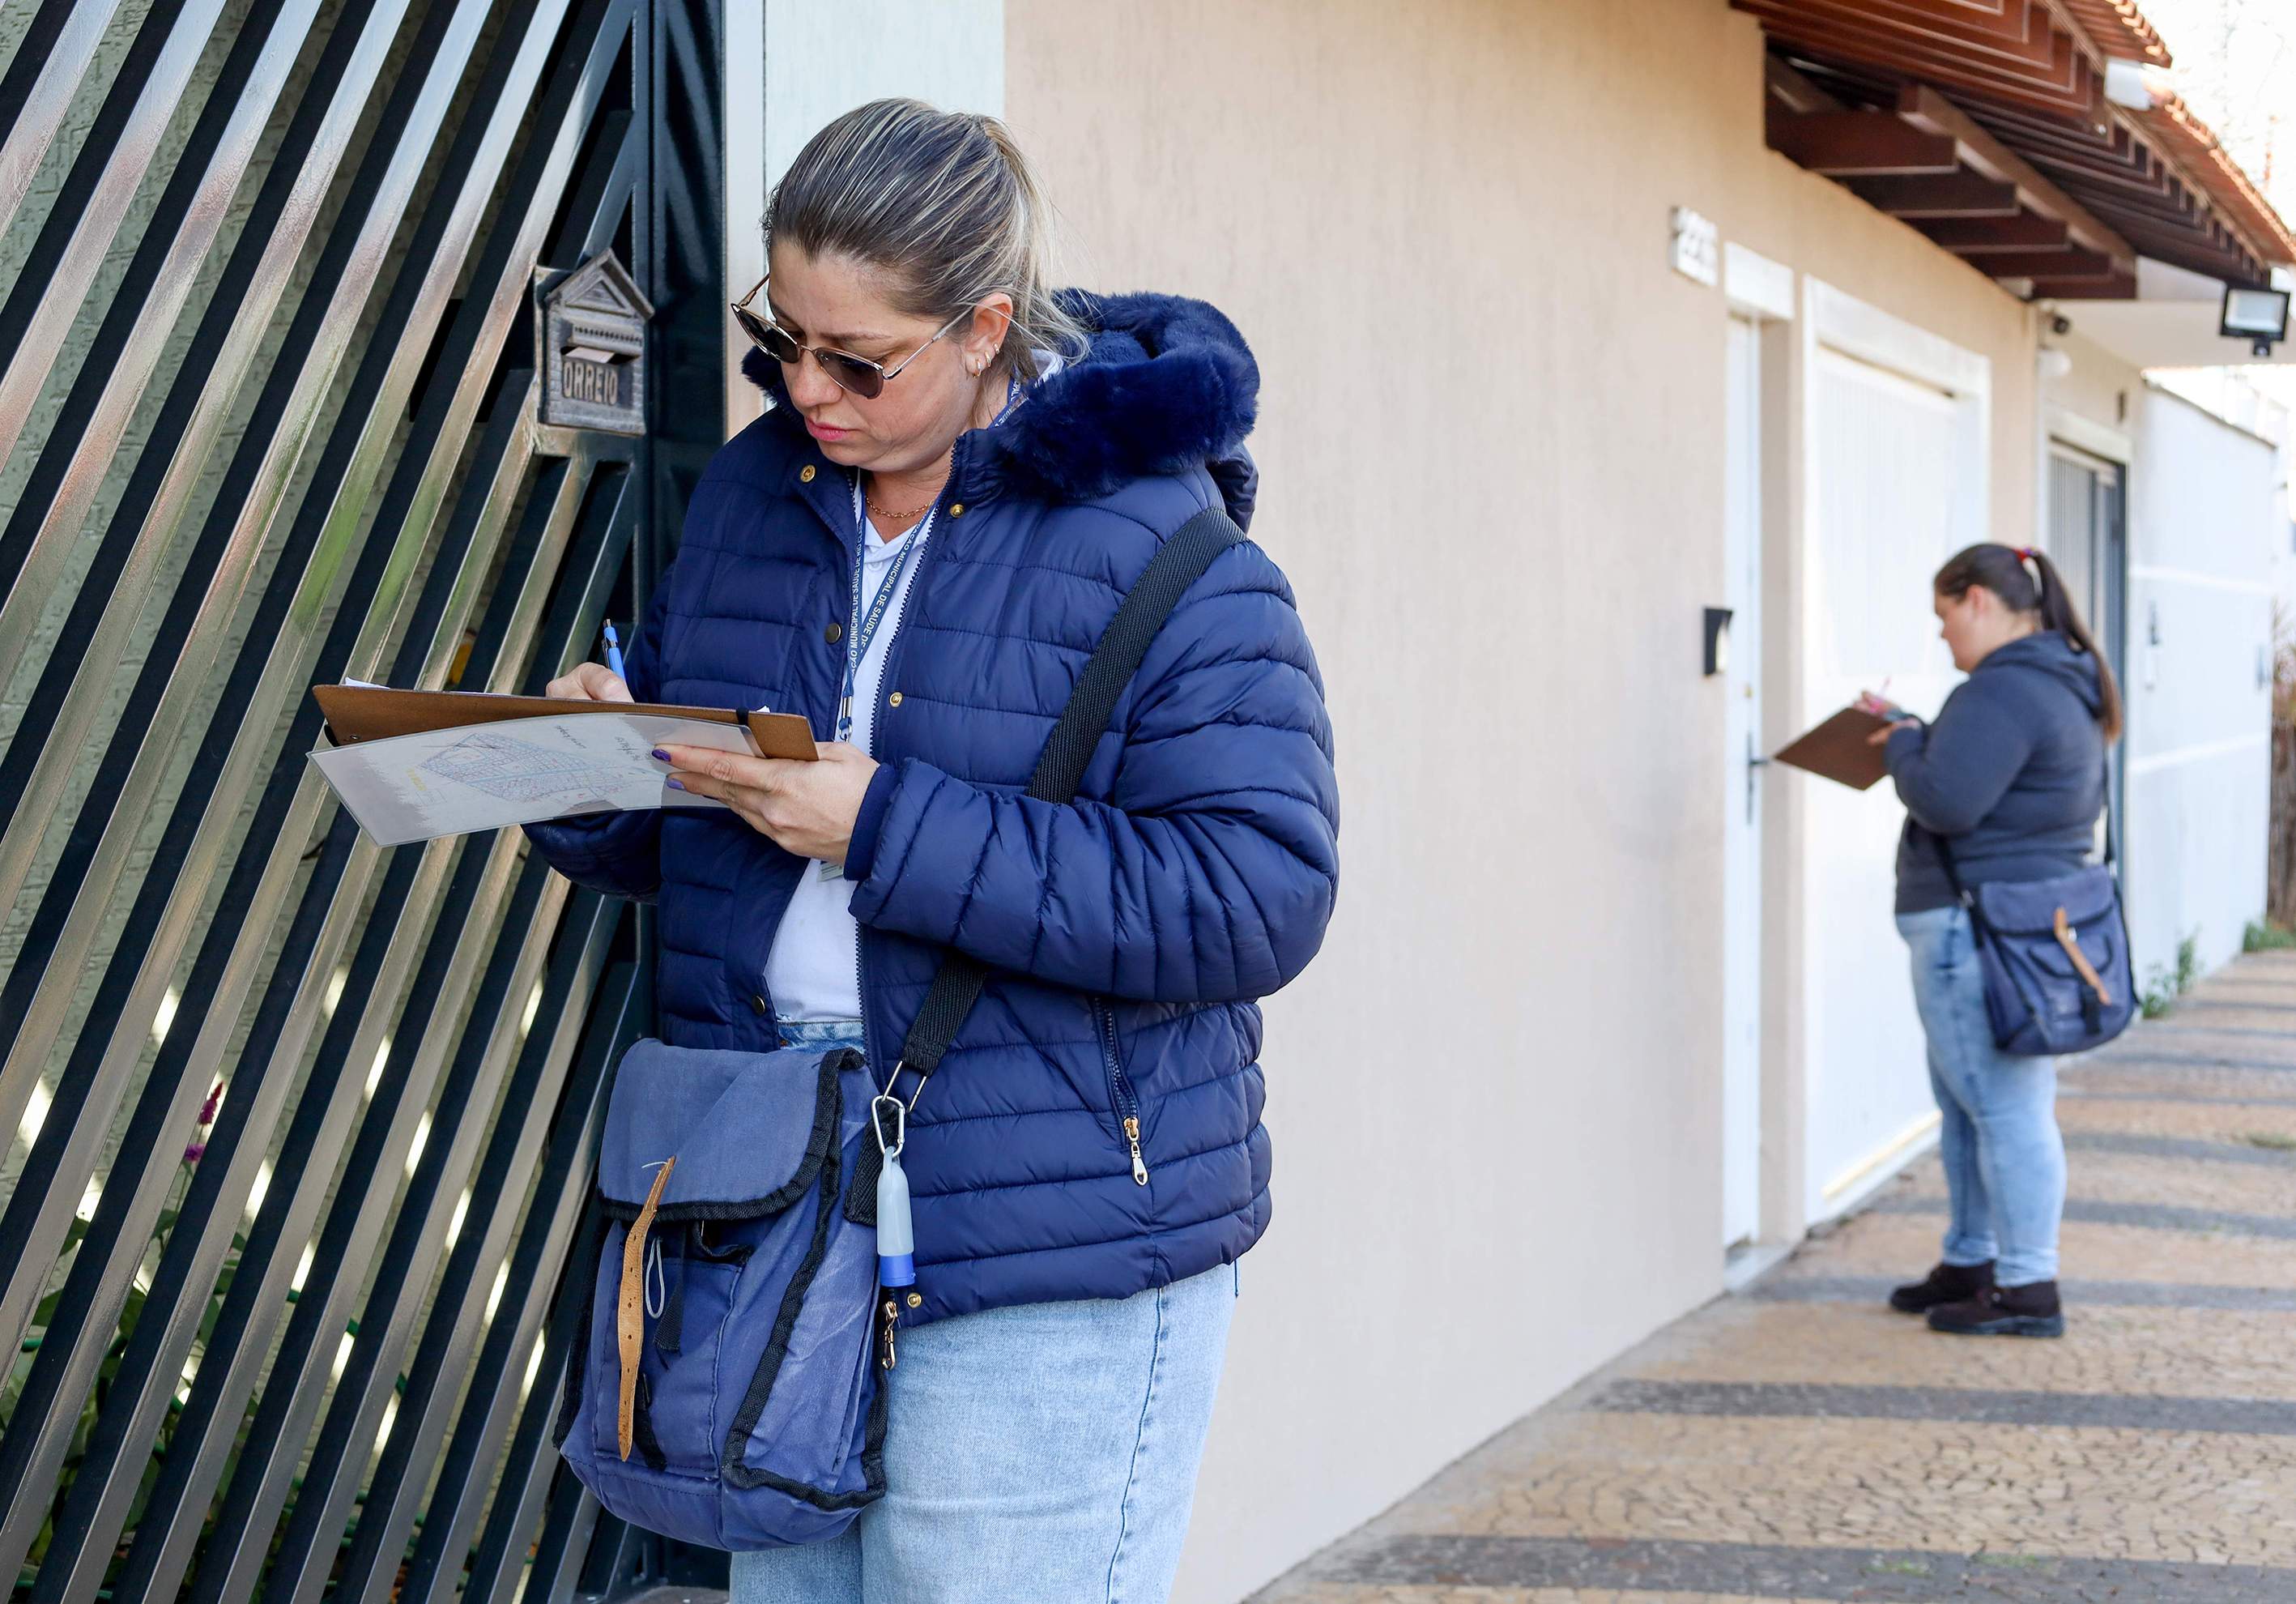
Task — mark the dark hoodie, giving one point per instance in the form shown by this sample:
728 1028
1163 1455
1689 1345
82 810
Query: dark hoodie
2011 771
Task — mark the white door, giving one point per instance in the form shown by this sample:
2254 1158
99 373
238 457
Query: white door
1742 830
1892 462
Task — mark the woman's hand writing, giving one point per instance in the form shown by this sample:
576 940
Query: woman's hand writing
804 807
1869 703
589 682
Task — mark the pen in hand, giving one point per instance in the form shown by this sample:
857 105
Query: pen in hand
614 654
1879 705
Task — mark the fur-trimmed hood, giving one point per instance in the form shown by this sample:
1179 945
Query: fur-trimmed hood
1167 386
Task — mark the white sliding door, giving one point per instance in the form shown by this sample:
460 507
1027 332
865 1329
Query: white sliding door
1896 458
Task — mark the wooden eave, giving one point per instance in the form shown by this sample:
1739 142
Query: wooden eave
2026 77
1926 162
2120 29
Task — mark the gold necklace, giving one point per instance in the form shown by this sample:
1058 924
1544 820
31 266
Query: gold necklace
894 517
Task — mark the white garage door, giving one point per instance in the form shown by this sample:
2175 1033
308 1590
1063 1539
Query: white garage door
1896 470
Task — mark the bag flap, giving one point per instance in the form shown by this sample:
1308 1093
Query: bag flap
2030 907
748 1130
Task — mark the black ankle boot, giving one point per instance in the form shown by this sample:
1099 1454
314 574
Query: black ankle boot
2031 1310
1946 1284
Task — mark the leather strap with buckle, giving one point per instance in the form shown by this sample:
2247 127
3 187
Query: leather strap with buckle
2080 959
630 1317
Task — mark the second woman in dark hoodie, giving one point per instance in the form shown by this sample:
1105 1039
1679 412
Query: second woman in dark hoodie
2012 776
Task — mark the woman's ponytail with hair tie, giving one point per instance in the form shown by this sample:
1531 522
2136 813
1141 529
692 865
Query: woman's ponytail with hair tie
2024 580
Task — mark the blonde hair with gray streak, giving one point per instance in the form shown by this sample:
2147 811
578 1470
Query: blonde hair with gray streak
942 203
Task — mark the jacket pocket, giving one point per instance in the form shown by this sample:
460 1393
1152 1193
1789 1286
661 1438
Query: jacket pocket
1120 1097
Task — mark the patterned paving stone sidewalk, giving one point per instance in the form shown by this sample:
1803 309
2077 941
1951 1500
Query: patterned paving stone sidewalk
1799 1441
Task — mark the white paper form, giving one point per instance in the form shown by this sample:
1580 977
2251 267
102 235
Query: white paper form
482 776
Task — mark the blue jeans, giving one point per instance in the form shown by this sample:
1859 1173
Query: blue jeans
1043 1451
2005 1158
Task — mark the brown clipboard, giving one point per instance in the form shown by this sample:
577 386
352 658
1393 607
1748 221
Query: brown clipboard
362 712
1839 749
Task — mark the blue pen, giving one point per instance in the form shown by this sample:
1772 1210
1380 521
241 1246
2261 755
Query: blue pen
614 652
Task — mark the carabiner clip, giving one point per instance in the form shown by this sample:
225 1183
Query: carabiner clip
890 1149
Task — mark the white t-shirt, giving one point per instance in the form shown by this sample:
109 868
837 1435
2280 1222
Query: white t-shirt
813 971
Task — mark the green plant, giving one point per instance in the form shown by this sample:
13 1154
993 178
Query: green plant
2163 986
2159 994
2262 935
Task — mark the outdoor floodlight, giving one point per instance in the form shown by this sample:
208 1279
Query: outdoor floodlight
2257 315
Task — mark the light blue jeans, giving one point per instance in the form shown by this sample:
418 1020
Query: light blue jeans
2005 1158
1047 1451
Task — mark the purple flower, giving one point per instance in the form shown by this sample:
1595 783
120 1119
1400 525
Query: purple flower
194 1153
208 1108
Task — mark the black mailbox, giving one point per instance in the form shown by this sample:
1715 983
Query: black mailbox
593 347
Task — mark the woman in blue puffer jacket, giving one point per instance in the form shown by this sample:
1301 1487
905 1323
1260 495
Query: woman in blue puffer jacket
919 544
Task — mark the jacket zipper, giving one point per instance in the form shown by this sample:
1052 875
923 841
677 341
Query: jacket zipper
877 733
890 1306
1119 1090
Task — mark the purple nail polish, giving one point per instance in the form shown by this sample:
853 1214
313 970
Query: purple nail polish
659 756
675 784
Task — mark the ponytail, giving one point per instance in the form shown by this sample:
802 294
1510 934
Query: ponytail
2038 591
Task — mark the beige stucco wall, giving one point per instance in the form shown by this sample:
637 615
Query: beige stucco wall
1492 449
2100 388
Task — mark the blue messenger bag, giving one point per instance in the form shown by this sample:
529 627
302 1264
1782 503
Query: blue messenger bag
2055 955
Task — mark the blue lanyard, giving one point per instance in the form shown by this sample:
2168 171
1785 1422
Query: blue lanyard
864 629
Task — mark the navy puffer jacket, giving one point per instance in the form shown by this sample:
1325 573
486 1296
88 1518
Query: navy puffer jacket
1131 930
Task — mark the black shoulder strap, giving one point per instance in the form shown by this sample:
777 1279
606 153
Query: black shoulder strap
1953 877
1176 565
